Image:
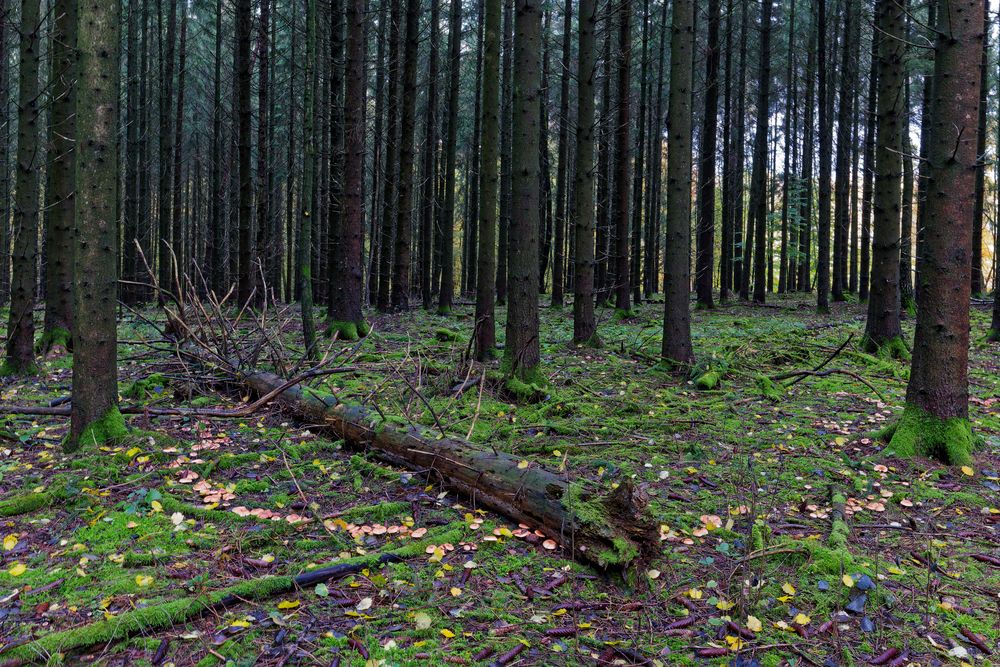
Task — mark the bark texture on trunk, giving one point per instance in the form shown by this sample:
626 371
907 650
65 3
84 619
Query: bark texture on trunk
489 177
935 421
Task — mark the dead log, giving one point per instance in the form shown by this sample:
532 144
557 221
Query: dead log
609 530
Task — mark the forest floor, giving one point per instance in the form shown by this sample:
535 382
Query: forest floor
132 540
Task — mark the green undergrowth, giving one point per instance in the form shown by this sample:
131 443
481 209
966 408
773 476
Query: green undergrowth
918 433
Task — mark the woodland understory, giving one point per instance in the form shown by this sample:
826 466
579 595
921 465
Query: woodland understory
787 536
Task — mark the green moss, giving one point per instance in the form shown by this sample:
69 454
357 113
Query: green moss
12 368
894 348
768 388
152 386
708 380
590 509
839 532
919 433
345 330
759 535
110 428
623 314
58 337
444 310
29 502
525 385
362 465
445 335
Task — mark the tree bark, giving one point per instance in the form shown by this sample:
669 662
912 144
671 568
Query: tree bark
676 345
485 324
60 187
869 175
980 195
584 324
20 350
95 419
562 176
163 241
825 148
521 354
706 163
935 421
620 182
843 160
429 204
446 224
883 328
306 199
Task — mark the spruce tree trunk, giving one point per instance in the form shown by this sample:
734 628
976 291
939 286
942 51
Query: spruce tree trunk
808 150
740 267
869 175
619 196
584 324
562 176
843 160
446 224
982 129
521 354
506 138
706 163
471 238
244 124
176 215
429 206
925 132
306 198
400 297
676 345
130 293
163 241
485 324
95 419
906 302
60 184
789 148
20 350
728 168
638 173
825 148
603 272
4 160
935 421
386 233
261 268
883 327
346 317
758 178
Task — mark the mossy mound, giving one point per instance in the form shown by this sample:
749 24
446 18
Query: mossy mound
12 368
148 388
445 335
345 330
110 428
894 348
768 388
55 341
919 433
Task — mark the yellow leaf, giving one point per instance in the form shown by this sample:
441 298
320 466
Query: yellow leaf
132 452
725 605
967 470
735 643
17 570
694 594
9 542
143 580
788 588
848 580
522 465
289 604
365 604
156 505
754 624
240 623
447 634
456 591
802 619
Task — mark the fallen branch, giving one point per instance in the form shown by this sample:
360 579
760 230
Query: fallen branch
608 530
168 614
826 373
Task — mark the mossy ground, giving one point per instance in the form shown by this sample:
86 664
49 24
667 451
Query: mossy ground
729 472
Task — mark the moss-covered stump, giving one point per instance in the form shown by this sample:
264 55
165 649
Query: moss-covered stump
108 429
919 433
152 386
54 342
607 529
894 348
344 330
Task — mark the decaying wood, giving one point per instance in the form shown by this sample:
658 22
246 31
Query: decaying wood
608 530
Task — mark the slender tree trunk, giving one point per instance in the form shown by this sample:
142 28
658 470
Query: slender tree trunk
306 198
740 267
261 266
164 241
177 218
758 178
447 221
638 173
59 189
906 302
789 149
603 273
474 197
843 158
980 196
584 324
825 149
651 266
728 167
506 139
521 354
676 345
404 201
391 161
130 292
936 419
379 167
622 149
5 256
95 419
883 327
213 251
706 163
429 206
24 259
869 176
562 177
346 317
244 118
485 325
808 149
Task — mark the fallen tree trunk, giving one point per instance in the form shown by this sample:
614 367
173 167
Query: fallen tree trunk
609 530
